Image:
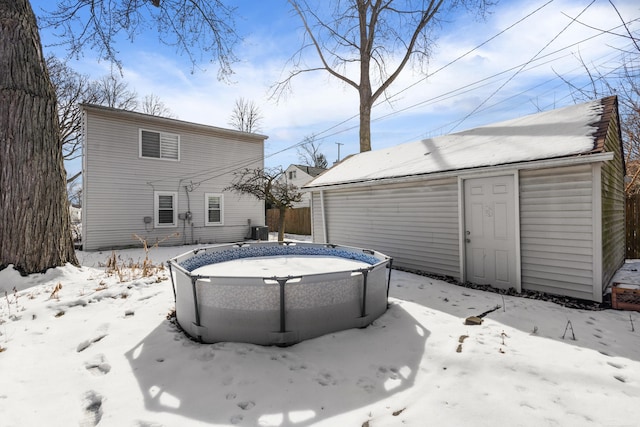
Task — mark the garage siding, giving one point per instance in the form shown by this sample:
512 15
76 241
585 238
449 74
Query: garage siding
556 230
416 224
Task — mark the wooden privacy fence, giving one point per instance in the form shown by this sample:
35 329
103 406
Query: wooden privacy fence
296 221
632 226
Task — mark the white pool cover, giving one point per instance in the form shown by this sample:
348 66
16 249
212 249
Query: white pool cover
277 293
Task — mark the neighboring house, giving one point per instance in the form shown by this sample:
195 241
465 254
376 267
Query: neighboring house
534 203
154 176
299 175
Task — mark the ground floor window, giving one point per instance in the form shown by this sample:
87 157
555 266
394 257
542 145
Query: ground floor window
166 208
214 209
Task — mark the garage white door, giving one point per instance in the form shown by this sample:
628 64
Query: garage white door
490 231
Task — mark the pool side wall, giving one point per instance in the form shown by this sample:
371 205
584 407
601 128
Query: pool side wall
249 309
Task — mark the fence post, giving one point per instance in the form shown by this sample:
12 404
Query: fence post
632 225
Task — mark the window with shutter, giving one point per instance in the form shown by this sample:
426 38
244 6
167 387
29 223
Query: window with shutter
159 145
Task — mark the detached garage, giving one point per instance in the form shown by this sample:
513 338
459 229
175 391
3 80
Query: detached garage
533 203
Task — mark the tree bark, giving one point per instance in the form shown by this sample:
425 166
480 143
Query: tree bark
364 88
35 231
283 212
365 122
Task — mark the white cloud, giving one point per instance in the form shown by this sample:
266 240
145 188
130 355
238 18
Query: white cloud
318 101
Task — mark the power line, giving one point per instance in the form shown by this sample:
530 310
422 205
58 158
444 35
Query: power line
528 89
476 84
217 172
521 68
443 67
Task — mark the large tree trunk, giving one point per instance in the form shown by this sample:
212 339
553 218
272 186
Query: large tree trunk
281 221
364 88
35 231
365 125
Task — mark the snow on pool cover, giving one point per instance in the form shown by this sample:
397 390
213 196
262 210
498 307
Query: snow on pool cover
274 293
279 266
258 250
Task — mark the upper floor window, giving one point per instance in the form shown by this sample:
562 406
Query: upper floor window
292 174
159 145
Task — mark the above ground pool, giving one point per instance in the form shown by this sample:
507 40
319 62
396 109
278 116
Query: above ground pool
277 293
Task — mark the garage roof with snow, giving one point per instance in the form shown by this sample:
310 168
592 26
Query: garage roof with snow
563 132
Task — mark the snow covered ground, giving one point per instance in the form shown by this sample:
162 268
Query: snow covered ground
100 351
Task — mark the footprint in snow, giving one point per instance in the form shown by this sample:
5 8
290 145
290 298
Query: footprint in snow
140 423
245 406
366 384
325 379
98 365
86 343
92 404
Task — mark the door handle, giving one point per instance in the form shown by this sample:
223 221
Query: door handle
468 240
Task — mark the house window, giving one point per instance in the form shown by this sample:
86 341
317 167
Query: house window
166 208
159 145
214 209
292 174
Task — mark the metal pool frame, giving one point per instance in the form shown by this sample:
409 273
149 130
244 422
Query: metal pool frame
277 310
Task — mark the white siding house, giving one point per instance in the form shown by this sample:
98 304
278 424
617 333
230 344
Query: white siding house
534 203
155 177
299 175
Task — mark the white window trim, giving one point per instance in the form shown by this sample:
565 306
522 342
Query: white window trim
177 136
156 202
206 209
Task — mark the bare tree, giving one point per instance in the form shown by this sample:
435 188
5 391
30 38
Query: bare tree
379 36
265 184
197 28
153 105
71 88
35 232
74 190
246 116
309 153
623 81
34 217
112 91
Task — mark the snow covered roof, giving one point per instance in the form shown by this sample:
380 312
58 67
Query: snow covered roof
309 170
569 131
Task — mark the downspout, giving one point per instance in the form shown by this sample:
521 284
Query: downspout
324 218
188 216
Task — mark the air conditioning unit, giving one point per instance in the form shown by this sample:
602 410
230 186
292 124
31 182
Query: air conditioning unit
260 233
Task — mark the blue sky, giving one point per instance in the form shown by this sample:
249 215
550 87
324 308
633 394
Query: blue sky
486 86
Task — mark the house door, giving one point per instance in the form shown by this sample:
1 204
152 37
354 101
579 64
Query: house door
490 231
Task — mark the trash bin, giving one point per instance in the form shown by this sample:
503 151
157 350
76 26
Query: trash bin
260 233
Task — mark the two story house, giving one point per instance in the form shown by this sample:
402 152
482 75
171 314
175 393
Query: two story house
164 179
299 175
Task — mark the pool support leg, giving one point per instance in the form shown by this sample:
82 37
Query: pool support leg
194 279
283 321
389 278
363 310
173 285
